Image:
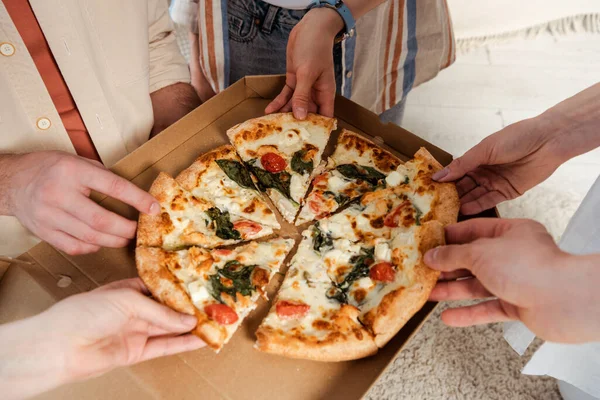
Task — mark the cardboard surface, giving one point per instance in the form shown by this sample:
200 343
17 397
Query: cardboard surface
239 371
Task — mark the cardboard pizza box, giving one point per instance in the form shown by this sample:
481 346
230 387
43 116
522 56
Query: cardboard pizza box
44 276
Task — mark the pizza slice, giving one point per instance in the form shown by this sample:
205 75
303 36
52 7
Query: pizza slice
282 152
188 220
220 287
410 198
221 177
356 167
305 322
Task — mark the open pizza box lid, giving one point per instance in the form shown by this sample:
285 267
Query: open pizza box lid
44 276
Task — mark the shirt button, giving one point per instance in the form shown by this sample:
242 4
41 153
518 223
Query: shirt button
43 123
7 49
349 74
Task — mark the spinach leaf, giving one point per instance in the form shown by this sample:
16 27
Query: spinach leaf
240 277
340 198
362 264
406 181
279 181
322 241
418 215
353 171
225 229
299 165
236 172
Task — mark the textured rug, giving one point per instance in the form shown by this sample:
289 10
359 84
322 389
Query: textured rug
471 363
488 22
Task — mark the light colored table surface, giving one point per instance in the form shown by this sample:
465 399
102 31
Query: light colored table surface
483 92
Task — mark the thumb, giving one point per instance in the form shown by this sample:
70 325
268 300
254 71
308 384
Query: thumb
302 95
459 167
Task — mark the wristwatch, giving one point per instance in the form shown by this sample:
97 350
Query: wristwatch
343 11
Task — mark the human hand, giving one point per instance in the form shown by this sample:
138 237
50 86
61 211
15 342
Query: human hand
87 335
517 261
310 77
48 192
504 165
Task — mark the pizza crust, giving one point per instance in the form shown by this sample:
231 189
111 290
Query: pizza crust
343 348
351 147
152 228
397 307
163 285
446 205
188 177
258 128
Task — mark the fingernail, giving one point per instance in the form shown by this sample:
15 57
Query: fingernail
188 320
300 113
430 256
154 209
440 174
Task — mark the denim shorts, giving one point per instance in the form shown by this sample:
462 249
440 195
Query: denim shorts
258 36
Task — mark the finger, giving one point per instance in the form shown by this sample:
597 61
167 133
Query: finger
134 283
287 107
480 204
473 229
465 185
454 275
112 185
67 243
473 194
326 100
312 107
280 101
78 229
459 290
302 93
482 313
165 346
94 163
99 218
472 159
153 331
156 314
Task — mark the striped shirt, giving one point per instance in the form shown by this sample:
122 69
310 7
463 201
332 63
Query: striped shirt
397 46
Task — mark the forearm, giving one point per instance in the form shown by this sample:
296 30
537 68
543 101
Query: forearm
574 123
361 7
31 361
171 103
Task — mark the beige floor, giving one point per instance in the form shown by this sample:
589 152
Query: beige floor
481 93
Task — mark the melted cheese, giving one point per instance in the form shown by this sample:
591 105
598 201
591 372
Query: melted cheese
298 187
284 205
199 294
335 183
383 252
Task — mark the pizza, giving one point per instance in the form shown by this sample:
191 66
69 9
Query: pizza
356 167
221 177
220 286
282 152
358 275
189 220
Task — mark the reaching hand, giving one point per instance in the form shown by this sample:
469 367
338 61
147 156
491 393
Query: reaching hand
517 261
48 192
503 166
117 325
87 335
310 77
